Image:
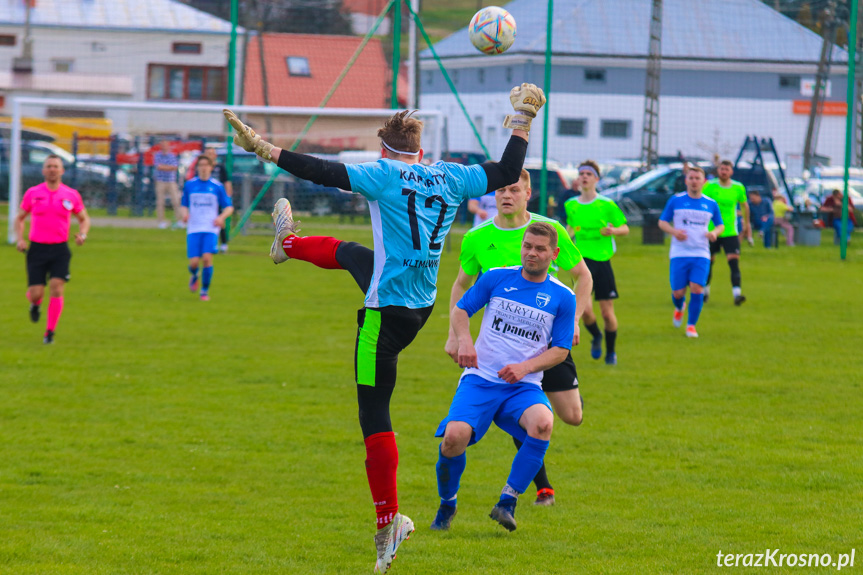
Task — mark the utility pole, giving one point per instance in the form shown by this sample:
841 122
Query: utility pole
24 63
830 23
650 129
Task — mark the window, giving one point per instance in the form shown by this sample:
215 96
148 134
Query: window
7 39
789 83
480 74
571 127
198 83
63 66
298 66
186 48
454 76
429 78
508 75
98 47
594 75
619 129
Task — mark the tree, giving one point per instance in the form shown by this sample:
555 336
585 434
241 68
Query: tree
299 16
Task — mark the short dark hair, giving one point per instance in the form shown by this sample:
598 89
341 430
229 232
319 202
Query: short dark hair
206 158
52 157
543 229
728 163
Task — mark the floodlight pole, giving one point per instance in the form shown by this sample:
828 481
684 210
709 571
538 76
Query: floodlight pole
849 124
413 96
543 178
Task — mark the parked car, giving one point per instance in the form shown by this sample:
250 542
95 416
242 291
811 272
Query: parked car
89 178
558 189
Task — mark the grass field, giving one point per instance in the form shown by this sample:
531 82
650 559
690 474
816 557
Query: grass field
165 435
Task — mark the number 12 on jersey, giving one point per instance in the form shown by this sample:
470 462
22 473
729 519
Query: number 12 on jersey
414 221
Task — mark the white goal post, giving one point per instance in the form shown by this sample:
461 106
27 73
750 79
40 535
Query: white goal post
433 137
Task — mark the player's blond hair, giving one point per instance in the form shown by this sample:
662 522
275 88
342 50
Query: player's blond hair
402 132
543 229
524 177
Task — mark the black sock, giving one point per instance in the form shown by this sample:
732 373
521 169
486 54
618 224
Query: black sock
735 272
610 338
593 329
541 479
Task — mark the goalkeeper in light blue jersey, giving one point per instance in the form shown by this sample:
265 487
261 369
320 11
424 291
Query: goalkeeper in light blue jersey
412 207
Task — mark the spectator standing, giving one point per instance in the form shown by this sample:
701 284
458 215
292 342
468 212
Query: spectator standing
781 217
761 210
165 170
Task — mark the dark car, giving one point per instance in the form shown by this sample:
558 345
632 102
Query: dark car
89 178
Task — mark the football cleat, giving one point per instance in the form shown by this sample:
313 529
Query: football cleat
677 321
504 513
611 359
545 497
193 284
34 313
690 331
596 348
49 337
443 519
388 539
739 299
205 296
283 219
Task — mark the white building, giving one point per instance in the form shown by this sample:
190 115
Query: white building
730 68
153 51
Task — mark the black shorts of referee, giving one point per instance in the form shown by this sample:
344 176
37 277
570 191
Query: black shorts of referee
47 260
604 286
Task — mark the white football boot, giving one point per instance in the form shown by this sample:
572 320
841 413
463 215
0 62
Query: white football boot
284 221
389 538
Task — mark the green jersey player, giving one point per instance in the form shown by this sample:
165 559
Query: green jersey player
729 194
497 243
595 220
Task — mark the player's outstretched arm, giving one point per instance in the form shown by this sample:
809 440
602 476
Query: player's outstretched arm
332 174
526 100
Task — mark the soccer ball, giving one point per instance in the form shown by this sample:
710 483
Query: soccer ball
492 30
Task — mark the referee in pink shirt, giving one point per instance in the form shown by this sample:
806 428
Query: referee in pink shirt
51 205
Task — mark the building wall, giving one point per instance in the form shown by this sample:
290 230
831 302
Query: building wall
695 126
120 53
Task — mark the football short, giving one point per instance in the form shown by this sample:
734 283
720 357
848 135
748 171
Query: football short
604 286
382 333
561 377
44 260
200 243
731 245
689 270
478 402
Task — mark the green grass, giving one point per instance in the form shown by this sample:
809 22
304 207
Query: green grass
165 435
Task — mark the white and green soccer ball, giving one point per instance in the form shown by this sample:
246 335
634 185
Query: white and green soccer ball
492 30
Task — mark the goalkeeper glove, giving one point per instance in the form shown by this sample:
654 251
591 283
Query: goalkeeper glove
527 100
247 139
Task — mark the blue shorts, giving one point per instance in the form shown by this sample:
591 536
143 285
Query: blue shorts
478 402
686 270
201 243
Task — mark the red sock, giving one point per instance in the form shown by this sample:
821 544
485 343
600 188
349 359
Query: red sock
55 308
382 461
318 250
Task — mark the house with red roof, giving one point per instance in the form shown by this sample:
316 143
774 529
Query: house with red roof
300 69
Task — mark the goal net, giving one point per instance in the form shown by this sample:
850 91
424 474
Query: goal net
108 149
